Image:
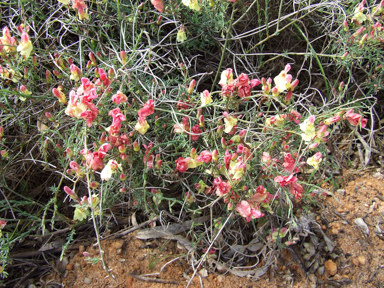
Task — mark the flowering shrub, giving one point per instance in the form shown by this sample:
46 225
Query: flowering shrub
144 115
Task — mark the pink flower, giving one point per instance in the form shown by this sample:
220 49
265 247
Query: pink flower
75 73
242 80
195 132
296 190
89 116
289 164
181 164
59 95
227 90
2 224
206 156
260 195
222 187
331 120
285 180
354 118
147 110
255 82
227 158
95 159
244 91
245 210
294 116
158 4
119 98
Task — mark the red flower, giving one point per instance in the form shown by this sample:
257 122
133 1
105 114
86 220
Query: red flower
285 180
158 4
245 210
289 164
119 98
354 118
242 80
206 156
296 190
148 109
222 187
95 160
196 132
181 164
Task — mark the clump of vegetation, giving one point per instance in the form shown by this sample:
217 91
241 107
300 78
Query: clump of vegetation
195 108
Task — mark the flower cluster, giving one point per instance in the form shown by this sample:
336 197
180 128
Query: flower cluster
8 44
241 86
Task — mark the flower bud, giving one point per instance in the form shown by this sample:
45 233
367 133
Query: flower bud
123 177
215 155
294 84
191 86
122 148
49 116
136 146
124 157
313 146
111 73
124 57
4 153
275 91
158 164
94 185
345 26
59 95
223 143
193 152
93 59
69 152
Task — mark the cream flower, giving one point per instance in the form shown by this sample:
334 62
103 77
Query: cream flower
315 160
142 126
25 47
308 128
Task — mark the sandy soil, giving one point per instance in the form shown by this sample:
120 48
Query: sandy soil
357 260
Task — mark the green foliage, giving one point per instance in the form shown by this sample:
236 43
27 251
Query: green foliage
197 132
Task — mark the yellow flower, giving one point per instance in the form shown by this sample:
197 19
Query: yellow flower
195 5
181 37
25 47
308 127
359 16
230 122
65 2
142 126
192 4
315 160
205 98
80 214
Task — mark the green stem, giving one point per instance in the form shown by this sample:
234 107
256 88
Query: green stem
224 49
317 59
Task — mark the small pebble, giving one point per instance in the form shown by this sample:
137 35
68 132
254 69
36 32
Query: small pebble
87 280
330 267
341 191
69 267
361 260
117 244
